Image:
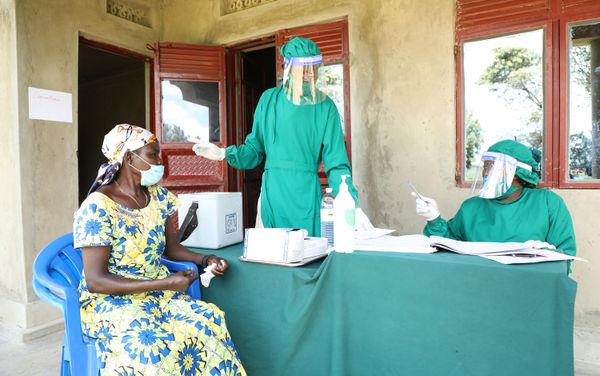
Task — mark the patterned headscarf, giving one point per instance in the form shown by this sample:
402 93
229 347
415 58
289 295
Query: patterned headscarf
121 139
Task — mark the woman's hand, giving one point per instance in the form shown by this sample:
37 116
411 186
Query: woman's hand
181 280
220 267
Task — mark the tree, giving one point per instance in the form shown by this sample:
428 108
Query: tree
173 133
516 70
474 138
580 66
580 156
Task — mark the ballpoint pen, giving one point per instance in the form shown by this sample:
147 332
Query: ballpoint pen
522 254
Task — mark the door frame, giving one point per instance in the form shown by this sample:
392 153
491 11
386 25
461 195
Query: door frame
134 55
234 98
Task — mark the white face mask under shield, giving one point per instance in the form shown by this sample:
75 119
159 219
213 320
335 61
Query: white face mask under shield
498 171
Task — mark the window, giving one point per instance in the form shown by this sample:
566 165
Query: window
190 110
503 94
530 70
331 82
189 102
583 104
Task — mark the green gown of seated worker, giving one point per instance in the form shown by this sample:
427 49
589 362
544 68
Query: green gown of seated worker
294 139
537 214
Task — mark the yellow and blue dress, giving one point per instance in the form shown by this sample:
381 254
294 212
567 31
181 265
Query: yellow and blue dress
154 332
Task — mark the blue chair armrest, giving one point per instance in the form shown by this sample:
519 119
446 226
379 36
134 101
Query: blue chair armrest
193 289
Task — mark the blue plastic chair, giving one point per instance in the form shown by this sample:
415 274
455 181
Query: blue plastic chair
57 271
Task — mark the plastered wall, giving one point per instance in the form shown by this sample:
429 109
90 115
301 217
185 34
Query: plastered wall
10 200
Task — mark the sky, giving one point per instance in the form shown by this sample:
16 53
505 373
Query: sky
192 118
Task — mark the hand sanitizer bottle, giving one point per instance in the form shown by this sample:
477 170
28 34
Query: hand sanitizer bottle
343 219
327 216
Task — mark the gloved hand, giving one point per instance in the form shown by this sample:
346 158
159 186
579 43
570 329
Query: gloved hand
208 150
362 221
538 244
427 207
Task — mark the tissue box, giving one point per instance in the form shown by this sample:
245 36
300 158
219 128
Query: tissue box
280 245
219 218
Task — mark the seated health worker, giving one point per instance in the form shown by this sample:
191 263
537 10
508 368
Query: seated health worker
510 207
143 321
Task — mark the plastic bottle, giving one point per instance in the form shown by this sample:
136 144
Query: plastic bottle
327 216
343 219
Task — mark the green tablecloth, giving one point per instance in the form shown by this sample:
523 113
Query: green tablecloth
375 313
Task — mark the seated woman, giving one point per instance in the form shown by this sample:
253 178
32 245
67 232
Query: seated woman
143 322
509 206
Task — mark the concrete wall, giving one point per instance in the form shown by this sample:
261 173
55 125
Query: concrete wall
11 232
403 108
40 156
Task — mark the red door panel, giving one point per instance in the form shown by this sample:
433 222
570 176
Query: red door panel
189 83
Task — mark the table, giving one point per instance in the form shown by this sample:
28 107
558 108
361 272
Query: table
377 313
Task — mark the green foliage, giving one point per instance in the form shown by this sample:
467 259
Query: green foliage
517 72
173 133
474 138
580 154
580 66
517 69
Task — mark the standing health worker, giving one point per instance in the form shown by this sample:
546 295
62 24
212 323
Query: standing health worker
296 126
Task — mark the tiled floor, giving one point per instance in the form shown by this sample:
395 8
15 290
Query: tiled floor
41 357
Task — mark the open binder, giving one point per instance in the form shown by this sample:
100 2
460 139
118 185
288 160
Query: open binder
506 253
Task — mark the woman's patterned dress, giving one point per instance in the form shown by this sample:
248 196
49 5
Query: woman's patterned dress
155 332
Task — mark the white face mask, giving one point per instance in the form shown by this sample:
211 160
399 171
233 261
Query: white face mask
152 175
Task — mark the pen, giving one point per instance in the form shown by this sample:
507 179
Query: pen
524 255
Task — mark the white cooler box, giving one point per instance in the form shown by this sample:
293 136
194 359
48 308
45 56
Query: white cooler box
219 218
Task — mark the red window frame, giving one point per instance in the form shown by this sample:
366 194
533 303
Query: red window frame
563 172
493 18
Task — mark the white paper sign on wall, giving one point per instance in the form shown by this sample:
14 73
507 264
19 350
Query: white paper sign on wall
50 105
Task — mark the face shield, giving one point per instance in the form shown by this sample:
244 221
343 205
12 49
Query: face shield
300 80
498 171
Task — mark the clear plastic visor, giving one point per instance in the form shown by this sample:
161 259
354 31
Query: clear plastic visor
497 171
300 80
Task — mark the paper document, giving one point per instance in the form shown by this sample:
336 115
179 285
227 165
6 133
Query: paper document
403 244
372 234
530 257
474 248
505 253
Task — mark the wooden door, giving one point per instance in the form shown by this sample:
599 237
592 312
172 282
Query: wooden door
189 87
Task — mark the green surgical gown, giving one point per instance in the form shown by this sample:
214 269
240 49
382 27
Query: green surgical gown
294 140
538 214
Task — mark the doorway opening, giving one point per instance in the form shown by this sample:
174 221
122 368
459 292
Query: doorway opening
111 90
254 68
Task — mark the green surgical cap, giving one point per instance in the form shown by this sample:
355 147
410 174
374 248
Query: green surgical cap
299 47
522 154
